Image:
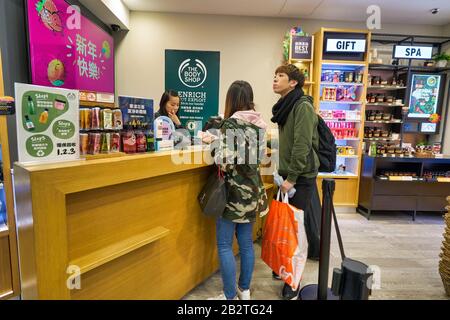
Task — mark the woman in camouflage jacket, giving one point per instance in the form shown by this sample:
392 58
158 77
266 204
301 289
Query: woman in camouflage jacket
241 148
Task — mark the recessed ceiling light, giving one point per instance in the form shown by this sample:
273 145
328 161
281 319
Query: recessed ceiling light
434 10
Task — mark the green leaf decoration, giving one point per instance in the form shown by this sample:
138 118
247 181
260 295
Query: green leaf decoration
40 5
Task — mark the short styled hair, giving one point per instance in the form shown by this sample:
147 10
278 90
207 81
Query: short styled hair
293 73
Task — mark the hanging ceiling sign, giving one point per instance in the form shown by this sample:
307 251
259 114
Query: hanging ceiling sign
346 45
413 52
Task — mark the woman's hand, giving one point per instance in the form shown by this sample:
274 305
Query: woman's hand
174 118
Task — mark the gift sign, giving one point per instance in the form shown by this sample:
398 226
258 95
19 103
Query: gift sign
67 50
47 124
346 45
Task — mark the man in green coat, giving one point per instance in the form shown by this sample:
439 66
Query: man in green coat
298 139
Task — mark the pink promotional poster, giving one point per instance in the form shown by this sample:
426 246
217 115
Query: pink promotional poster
67 50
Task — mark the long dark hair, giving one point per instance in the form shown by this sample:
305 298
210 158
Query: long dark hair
239 98
164 99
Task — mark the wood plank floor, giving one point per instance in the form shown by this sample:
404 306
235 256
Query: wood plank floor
406 252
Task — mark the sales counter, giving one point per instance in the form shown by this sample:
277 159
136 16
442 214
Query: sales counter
131 227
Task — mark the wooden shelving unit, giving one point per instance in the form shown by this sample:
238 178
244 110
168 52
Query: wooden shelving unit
347 183
9 265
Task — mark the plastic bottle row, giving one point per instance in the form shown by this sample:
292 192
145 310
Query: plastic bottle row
130 141
100 119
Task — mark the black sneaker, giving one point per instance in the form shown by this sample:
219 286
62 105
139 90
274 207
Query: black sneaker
288 294
275 276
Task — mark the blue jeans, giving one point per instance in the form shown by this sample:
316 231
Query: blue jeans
225 230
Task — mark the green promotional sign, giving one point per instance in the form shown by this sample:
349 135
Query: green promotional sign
47 123
195 75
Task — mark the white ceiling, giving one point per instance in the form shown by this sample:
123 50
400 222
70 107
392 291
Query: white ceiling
392 11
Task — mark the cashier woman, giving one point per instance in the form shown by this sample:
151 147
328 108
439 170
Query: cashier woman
169 106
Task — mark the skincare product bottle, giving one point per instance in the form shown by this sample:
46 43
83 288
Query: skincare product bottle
29 124
31 108
44 116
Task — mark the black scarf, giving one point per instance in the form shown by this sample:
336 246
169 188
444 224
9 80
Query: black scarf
284 106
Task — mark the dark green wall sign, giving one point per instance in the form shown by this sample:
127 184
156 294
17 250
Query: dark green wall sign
195 75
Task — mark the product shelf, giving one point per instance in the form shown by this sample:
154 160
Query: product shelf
381 139
348 157
376 66
342 84
103 155
340 120
342 102
336 175
383 87
119 249
343 62
384 121
348 139
385 104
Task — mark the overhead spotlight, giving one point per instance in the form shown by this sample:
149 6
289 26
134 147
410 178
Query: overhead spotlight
434 10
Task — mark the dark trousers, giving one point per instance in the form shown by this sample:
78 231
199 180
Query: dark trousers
304 191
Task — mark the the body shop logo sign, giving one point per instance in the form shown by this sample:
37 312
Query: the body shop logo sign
192 73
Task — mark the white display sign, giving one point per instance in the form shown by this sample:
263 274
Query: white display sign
346 45
413 52
47 123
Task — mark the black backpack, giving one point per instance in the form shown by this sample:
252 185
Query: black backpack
327 147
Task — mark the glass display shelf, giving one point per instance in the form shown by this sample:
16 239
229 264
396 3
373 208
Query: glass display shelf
327 83
341 102
384 121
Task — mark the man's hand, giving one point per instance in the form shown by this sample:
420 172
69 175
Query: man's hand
286 186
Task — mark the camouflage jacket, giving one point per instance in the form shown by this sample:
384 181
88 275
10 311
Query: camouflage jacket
239 154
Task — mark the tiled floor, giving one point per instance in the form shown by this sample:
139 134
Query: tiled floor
406 252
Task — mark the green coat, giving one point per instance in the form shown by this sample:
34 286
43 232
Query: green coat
297 139
240 159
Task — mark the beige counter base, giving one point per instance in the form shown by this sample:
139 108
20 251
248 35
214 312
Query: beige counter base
133 223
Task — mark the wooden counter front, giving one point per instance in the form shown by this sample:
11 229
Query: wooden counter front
131 226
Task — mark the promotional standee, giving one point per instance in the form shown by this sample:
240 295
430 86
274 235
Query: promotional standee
47 123
138 133
164 133
195 75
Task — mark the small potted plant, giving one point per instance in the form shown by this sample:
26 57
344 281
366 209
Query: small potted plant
441 59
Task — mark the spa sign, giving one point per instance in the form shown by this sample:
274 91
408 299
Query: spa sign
195 75
413 52
47 123
67 50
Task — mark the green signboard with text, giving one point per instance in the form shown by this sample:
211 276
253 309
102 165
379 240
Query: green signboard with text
195 75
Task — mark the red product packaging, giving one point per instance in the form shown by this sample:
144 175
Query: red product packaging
95 118
141 142
115 142
94 143
129 142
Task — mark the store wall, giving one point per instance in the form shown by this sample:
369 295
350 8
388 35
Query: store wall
250 47
446 30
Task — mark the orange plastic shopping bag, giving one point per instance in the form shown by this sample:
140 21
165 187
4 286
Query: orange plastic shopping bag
284 245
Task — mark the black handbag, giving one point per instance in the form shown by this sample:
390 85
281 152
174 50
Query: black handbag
213 197
353 281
